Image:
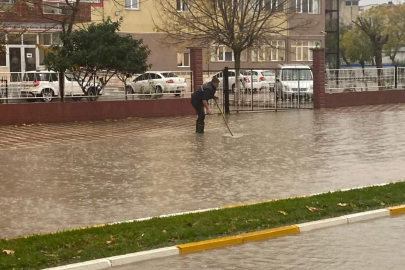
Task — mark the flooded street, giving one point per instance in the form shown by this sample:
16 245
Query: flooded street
372 245
64 183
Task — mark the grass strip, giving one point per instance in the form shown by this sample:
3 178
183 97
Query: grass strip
42 251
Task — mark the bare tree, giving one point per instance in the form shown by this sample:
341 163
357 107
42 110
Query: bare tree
374 24
237 24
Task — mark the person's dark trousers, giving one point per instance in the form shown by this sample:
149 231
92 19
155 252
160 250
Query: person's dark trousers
199 108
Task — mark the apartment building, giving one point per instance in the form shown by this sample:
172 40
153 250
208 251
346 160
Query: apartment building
295 47
36 26
348 11
27 27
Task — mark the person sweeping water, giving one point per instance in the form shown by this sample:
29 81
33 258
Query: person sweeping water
199 100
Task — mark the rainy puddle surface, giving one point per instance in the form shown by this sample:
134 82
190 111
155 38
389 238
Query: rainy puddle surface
272 155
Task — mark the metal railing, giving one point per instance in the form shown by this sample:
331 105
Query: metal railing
400 78
17 87
259 90
357 80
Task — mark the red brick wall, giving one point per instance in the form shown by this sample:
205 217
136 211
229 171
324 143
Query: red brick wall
196 66
364 98
14 114
318 71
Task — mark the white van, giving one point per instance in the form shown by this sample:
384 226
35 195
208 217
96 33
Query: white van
297 80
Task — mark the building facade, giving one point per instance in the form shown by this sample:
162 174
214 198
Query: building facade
349 11
27 28
293 48
36 27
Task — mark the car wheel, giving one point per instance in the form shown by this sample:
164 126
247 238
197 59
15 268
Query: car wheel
233 88
92 94
159 89
47 95
129 89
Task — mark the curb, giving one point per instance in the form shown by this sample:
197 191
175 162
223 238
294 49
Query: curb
397 210
232 240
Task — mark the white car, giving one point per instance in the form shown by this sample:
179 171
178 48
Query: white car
297 80
45 84
231 79
157 82
262 79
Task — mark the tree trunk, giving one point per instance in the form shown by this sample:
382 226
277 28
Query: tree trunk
62 86
392 57
237 77
345 58
363 64
378 63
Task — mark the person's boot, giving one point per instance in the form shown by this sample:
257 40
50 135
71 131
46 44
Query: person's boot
200 128
196 127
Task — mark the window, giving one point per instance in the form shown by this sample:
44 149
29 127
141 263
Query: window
296 74
139 78
305 6
273 5
45 39
352 3
182 5
45 42
183 59
6 2
169 75
56 8
14 39
132 4
301 50
30 39
275 52
222 53
51 8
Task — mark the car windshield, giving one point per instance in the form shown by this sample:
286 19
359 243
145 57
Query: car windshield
169 75
293 74
268 73
71 77
42 77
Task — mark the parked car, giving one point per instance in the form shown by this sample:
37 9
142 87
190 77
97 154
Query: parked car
231 79
45 85
262 79
297 80
157 82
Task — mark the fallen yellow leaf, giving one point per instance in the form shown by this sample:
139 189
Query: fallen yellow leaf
342 204
282 212
111 241
313 209
8 252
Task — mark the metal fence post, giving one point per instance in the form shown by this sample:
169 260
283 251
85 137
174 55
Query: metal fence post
396 77
251 90
299 95
226 89
6 91
275 88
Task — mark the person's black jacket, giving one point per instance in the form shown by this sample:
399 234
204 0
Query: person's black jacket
205 92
